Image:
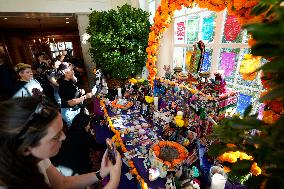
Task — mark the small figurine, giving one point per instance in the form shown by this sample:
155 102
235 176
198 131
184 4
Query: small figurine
170 184
168 74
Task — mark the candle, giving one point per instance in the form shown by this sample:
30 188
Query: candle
119 92
180 113
156 102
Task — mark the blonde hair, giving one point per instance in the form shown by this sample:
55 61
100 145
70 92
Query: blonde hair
21 66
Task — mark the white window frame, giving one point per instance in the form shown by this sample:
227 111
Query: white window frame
216 47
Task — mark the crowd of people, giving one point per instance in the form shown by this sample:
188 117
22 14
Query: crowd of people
36 100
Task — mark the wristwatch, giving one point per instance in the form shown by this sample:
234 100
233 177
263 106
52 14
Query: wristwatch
98 175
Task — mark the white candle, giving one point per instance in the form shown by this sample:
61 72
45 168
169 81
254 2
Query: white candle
156 102
119 92
180 113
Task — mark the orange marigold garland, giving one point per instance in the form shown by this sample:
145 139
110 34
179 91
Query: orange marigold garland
162 20
123 148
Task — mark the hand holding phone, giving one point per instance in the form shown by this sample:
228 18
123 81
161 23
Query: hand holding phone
111 151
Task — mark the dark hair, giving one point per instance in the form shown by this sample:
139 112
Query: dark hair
80 121
16 169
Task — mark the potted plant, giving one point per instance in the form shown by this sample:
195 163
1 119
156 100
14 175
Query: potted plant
118 41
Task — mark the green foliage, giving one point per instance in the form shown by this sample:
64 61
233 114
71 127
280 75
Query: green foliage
269 38
119 40
266 145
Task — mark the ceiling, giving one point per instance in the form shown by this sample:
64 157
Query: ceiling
37 22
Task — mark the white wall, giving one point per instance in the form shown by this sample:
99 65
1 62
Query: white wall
83 23
165 55
54 6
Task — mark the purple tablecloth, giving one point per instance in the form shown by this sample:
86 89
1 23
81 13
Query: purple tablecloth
103 132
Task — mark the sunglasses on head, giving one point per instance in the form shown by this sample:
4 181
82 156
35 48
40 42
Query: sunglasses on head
43 110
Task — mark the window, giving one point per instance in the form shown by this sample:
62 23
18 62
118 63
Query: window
225 47
57 48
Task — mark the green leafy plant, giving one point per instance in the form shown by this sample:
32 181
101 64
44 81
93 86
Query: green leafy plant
255 137
119 40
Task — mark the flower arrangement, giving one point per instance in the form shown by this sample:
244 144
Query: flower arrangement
170 153
233 156
179 121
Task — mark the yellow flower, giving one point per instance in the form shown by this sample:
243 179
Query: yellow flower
149 99
178 117
255 170
247 56
229 157
193 91
133 80
245 156
179 122
141 80
248 66
236 153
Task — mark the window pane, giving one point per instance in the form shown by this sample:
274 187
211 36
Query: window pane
51 46
61 46
206 65
228 62
240 80
232 32
69 45
179 57
243 102
208 26
179 29
192 29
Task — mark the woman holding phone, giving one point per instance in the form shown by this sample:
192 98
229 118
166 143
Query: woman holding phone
30 133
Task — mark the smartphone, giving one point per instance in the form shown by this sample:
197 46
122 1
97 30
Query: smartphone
111 151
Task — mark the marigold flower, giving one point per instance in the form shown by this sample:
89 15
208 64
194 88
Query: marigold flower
226 169
255 170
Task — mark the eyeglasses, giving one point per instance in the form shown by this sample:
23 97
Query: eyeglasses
43 110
